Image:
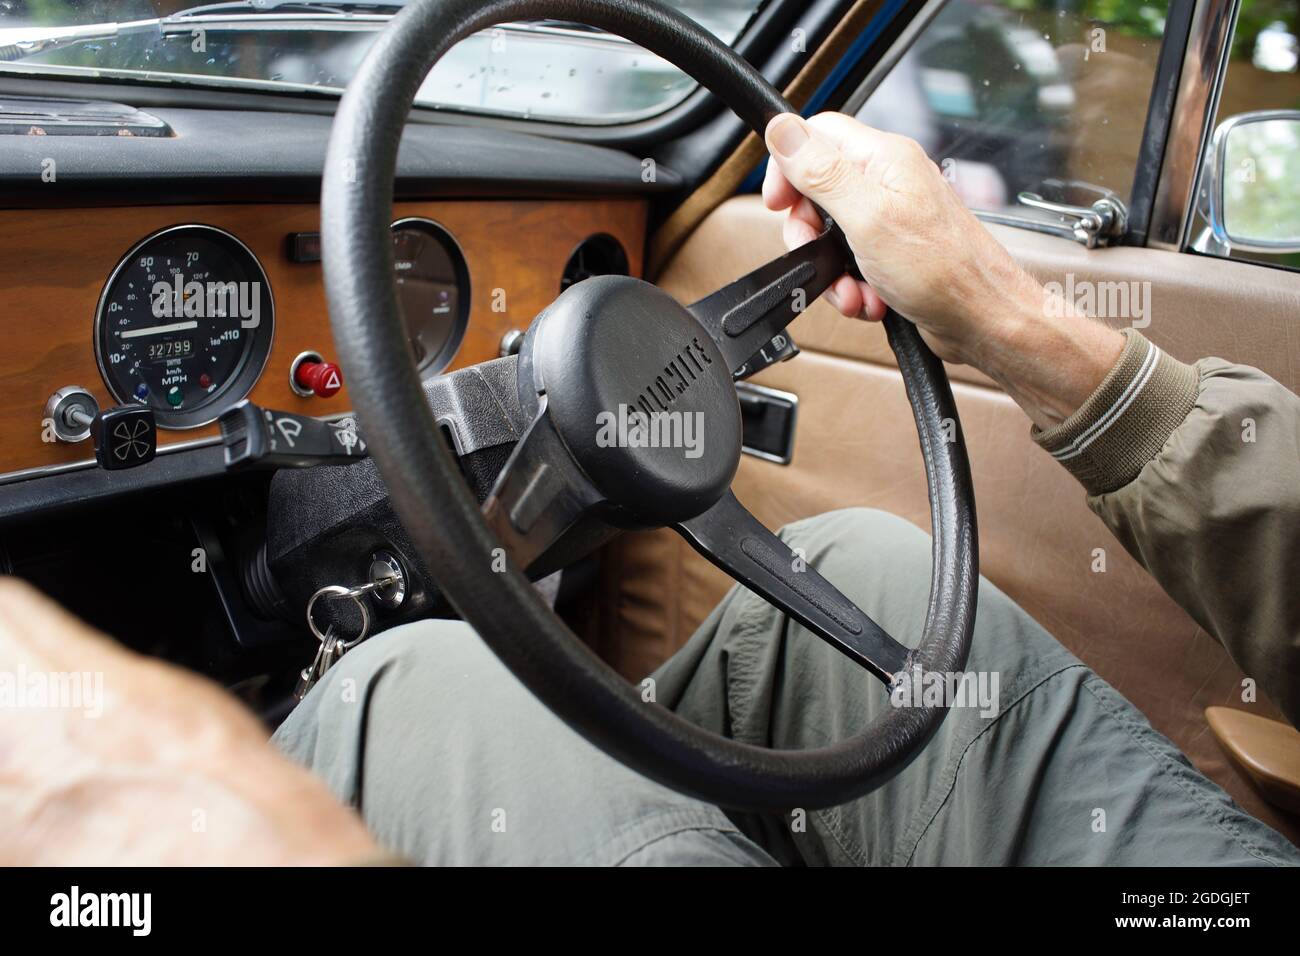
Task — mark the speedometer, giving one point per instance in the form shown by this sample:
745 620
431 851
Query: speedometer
185 324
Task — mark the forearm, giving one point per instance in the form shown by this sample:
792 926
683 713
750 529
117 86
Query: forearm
1161 447
1195 469
1043 353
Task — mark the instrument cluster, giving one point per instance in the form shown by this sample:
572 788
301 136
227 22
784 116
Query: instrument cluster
185 322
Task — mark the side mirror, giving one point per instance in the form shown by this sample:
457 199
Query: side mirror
1253 182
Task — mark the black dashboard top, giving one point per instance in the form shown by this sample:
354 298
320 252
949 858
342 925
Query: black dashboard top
216 154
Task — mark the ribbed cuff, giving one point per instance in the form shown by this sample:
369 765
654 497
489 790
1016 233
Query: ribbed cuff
1127 420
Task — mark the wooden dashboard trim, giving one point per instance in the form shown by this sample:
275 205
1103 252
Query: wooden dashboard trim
54 264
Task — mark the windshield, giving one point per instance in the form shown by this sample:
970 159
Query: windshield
546 70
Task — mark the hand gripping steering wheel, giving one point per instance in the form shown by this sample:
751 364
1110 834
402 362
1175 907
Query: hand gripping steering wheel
616 345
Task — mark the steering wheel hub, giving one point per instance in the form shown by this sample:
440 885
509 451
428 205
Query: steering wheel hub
640 395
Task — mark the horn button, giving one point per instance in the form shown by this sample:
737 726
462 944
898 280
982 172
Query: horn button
639 394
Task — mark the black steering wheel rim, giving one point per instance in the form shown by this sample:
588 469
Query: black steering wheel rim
443 518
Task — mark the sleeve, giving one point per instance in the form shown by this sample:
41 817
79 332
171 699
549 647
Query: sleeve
1196 470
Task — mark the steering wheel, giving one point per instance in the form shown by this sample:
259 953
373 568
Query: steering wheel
616 347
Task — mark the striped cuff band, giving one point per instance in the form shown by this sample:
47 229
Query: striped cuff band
1127 420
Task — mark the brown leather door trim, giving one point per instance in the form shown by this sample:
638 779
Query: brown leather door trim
855 445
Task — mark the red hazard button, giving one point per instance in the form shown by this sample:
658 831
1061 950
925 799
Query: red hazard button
321 378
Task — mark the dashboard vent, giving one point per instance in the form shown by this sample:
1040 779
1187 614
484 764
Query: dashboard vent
38 116
598 255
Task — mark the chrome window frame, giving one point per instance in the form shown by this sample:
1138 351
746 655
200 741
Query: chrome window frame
1189 130
889 60
1191 126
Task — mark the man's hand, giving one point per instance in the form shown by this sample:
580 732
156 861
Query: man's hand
925 255
154 766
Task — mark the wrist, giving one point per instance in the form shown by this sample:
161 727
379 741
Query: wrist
1127 420
1002 322
1045 354
994 306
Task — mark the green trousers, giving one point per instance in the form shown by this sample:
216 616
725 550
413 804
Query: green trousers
451 761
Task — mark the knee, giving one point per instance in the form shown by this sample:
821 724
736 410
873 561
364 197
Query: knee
878 560
407 669
865 535
410 647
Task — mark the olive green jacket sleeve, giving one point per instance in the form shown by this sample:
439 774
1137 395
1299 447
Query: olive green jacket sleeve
1196 470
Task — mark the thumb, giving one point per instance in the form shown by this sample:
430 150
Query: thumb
815 166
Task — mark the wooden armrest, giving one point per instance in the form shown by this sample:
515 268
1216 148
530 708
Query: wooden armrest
1268 750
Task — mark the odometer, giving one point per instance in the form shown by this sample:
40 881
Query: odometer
185 324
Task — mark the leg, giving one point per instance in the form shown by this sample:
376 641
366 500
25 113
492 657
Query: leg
1060 769
451 761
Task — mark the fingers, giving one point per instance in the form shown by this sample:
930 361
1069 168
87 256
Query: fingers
856 299
873 306
813 163
855 138
778 194
802 225
795 232
845 295
808 214
822 160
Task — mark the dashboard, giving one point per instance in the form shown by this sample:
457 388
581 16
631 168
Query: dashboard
189 309
165 279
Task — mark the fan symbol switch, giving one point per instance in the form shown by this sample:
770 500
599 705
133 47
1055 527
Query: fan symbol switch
312 375
125 437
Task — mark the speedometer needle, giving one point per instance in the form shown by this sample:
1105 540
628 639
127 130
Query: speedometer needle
159 329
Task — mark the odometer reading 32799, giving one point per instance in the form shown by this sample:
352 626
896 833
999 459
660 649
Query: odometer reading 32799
185 324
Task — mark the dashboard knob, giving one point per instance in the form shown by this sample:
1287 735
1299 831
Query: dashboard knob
125 436
510 342
320 378
69 413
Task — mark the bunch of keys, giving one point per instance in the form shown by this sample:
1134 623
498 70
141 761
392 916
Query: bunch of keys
332 646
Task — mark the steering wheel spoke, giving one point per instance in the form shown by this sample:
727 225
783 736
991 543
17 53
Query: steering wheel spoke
730 537
743 316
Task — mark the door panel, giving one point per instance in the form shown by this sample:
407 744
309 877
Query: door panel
1037 536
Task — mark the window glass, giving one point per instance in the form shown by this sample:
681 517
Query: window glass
548 70
1263 74
1045 96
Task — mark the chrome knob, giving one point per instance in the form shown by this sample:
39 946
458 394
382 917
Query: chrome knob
511 341
69 413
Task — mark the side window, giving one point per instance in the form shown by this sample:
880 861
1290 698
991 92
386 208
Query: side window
1042 96
1248 200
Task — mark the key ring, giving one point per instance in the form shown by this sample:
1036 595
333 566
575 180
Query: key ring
333 591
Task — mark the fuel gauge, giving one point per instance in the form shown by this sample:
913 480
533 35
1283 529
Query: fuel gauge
433 291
